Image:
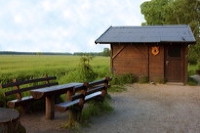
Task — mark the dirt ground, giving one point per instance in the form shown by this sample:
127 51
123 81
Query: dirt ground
143 108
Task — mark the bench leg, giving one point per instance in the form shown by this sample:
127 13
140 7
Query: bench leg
49 109
74 117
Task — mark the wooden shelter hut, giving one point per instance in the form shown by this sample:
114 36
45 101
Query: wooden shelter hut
158 53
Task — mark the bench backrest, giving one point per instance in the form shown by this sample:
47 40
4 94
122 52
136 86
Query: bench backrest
103 82
91 87
33 84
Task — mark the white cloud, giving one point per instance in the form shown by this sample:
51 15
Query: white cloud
62 25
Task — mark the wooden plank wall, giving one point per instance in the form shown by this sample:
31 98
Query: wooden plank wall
185 62
139 60
128 58
156 65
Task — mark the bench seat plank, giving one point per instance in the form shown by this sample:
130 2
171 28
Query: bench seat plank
93 95
18 102
65 105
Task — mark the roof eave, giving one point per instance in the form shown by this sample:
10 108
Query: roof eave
189 42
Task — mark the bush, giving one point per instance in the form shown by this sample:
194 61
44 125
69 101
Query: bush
193 54
191 81
117 88
85 70
123 79
83 73
118 82
96 108
143 79
2 100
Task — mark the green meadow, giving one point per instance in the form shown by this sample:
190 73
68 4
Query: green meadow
29 66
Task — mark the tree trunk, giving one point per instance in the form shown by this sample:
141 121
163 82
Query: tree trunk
9 121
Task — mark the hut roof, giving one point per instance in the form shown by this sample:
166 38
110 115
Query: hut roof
147 34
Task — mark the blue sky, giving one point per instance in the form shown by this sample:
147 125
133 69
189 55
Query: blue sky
62 25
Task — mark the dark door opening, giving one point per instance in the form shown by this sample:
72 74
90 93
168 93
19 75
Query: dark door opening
173 63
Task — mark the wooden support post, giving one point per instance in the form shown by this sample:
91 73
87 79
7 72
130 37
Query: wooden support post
69 95
104 92
47 80
18 95
49 109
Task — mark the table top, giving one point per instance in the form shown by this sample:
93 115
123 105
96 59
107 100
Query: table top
7 115
52 90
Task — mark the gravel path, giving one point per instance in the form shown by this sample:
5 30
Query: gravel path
143 108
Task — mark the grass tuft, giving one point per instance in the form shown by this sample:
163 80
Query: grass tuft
95 108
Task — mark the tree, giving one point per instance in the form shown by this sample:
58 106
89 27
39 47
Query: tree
153 11
158 12
106 52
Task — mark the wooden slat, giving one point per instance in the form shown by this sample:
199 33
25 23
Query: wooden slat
77 96
17 102
27 82
93 95
99 88
97 82
79 88
29 88
65 105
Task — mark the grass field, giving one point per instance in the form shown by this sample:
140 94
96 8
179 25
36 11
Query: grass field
28 66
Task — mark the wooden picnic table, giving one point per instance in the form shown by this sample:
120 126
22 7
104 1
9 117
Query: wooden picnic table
49 94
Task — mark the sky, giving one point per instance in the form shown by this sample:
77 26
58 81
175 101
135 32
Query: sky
62 25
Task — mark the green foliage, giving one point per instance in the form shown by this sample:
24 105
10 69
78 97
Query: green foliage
194 54
85 70
106 52
193 69
123 79
117 88
96 108
2 100
191 82
118 82
154 11
83 73
143 79
172 12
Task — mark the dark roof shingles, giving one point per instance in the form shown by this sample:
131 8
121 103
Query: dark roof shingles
147 34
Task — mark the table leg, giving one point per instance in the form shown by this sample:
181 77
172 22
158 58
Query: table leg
49 109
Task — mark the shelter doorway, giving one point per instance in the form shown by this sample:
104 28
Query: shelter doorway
174 63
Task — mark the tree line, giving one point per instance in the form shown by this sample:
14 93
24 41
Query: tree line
105 52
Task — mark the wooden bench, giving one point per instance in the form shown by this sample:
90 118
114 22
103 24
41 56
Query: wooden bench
97 89
18 88
81 94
